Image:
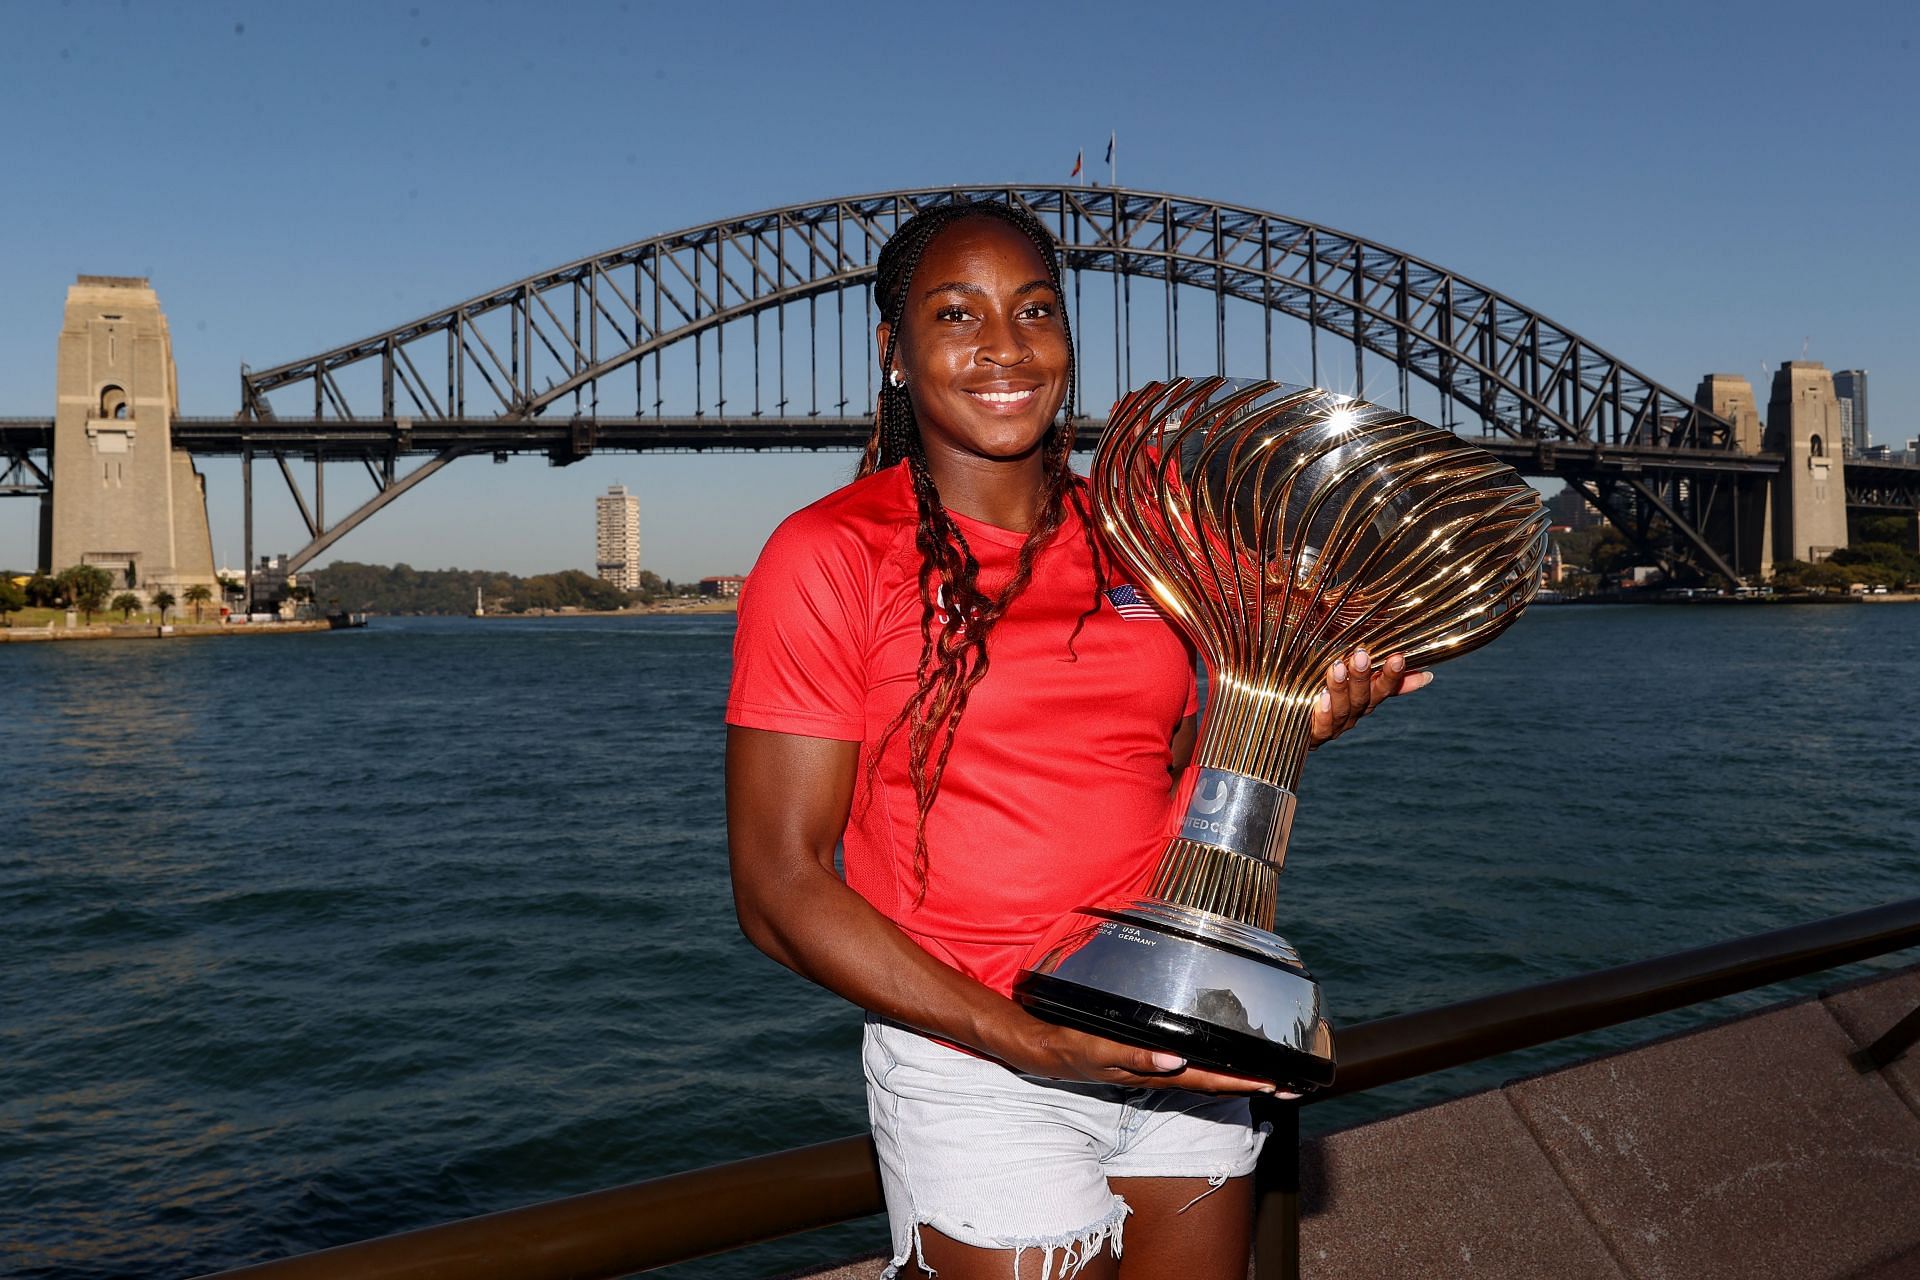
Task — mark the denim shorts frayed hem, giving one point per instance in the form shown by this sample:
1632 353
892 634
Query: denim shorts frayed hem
997 1160
1073 1251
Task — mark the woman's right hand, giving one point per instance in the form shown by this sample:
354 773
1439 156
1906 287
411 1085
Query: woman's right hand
1039 1048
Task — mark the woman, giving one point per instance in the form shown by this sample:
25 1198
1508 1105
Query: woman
929 669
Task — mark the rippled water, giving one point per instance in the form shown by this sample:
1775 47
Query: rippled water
314 938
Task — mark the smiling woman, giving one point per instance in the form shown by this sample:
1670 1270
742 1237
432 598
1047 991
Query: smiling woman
985 349
975 809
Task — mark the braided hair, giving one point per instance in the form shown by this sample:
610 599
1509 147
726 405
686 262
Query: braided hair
956 614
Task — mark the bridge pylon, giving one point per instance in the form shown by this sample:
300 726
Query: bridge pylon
1745 523
1810 495
124 499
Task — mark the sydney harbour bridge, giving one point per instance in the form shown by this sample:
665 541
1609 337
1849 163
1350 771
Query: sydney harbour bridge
756 333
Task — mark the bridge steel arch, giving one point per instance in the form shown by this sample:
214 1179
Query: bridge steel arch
551 342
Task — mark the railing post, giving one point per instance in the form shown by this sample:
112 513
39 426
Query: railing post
1900 1037
1276 1213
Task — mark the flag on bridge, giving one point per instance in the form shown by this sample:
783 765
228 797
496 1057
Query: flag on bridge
1079 158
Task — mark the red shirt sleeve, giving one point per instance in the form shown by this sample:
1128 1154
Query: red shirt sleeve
799 650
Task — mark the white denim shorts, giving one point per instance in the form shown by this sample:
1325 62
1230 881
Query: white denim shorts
999 1160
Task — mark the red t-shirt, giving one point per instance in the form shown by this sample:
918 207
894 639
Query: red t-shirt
1056 792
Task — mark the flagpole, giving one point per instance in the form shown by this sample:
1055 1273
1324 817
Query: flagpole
1113 158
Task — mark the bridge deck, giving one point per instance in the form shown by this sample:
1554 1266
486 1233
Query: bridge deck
353 438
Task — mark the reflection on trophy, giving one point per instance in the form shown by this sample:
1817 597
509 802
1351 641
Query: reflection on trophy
1282 527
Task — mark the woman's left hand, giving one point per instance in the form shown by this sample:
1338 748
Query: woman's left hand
1355 686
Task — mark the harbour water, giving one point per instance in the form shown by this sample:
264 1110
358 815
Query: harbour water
317 938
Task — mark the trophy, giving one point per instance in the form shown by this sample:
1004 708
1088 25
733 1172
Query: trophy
1281 527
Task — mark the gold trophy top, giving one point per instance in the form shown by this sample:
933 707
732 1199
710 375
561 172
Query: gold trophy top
1284 526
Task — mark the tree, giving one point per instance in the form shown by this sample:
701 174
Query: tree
85 587
42 591
197 595
1895 529
12 598
1610 553
126 602
1800 575
163 600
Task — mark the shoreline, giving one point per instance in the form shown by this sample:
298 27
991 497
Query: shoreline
1894 597
51 634
707 607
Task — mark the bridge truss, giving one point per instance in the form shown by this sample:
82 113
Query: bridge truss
757 333
639 338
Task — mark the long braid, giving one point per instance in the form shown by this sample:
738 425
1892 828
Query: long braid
956 614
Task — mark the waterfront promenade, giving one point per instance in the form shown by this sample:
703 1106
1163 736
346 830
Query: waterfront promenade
53 633
1750 1150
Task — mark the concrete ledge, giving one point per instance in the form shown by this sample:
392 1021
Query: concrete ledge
1866 1011
1907 1268
858 1269
1459 1190
1750 1149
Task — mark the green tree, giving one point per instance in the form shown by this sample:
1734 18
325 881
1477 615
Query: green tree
1800 575
163 600
1895 529
85 587
197 595
1882 563
12 598
126 602
43 592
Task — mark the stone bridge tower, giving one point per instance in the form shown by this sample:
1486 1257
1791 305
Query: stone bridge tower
123 499
1810 497
1746 524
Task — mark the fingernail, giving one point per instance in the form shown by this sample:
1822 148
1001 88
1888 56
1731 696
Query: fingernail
1324 702
1269 1088
1168 1062
1339 672
1360 660
1396 664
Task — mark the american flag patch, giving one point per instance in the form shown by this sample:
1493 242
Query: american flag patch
1130 604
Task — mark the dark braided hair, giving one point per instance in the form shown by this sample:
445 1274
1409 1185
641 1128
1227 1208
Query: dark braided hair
956 613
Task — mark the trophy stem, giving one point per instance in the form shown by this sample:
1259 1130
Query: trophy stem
1204 878
1259 731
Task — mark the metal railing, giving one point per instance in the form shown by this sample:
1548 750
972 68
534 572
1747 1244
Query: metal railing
683 1216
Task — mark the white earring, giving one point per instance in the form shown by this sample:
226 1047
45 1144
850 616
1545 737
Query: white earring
896 379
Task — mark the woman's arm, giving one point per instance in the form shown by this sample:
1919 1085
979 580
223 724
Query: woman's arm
787 803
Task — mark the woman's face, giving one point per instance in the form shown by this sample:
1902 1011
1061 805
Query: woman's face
982 343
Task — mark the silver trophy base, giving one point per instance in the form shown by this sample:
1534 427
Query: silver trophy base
1221 994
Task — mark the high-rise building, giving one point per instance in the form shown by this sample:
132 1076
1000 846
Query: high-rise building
617 538
1850 389
1571 508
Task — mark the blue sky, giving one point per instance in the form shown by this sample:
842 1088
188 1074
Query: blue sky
1694 187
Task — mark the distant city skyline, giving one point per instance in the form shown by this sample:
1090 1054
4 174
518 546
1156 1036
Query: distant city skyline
297 179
